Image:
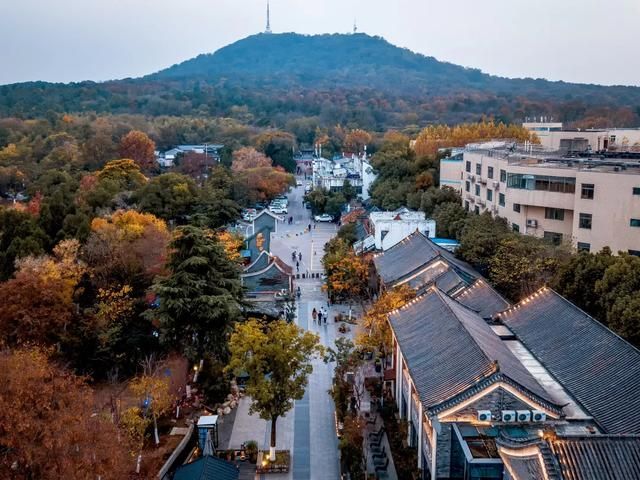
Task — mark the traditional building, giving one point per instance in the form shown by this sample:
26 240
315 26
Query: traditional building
543 391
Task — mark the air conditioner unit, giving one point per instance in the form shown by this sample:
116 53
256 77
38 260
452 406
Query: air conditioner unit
483 181
523 415
532 223
508 416
472 178
538 416
496 185
484 415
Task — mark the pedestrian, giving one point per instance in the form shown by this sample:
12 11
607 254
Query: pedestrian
298 267
320 317
309 227
314 315
314 225
300 256
293 256
325 314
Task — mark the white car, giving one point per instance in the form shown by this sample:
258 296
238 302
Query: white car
299 183
277 209
325 217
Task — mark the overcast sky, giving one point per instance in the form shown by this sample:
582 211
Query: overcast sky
592 41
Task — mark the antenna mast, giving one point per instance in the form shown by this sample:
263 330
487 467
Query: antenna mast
355 26
268 29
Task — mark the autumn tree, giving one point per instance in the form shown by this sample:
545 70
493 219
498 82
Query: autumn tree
376 333
124 173
347 273
356 140
127 248
277 358
37 305
247 157
200 298
49 428
137 146
154 394
194 164
232 244
259 184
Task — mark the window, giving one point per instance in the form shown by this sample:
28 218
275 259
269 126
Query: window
584 247
636 190
478 169
466 205
541 182
635 253
503 175
467 186
490 195
634 222
477 209
515 227
585 221
468 166
554 213
516 207
490 172
501 199
587 191
478 190
553 237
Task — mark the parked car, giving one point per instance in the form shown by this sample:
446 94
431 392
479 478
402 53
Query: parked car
298 183
325 217
278 209
249 214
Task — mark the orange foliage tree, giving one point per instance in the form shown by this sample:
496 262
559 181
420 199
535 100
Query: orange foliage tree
443 136
376 335
232 244
347 273
139 147
356 140
37 305
248 157
256 179
128 247
48 427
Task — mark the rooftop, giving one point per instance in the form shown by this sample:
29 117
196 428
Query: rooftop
596 367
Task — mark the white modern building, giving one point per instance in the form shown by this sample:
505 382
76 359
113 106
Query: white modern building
332 174
390 228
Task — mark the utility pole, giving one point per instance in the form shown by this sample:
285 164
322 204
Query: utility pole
268 29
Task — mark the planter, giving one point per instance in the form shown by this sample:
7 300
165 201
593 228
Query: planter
280 465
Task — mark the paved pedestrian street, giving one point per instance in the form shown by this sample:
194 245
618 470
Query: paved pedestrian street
309 429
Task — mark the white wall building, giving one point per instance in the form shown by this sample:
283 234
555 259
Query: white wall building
393 227
331 174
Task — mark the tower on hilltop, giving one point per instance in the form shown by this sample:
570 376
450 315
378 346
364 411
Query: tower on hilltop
268 29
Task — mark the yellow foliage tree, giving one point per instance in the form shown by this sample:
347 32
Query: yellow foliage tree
376 334
155 394
232 243
128 225
443 136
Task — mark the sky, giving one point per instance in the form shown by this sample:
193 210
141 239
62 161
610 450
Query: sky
586 41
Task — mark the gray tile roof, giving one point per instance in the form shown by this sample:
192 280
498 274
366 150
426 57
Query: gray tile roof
598 457
482 298
449 349
425 263
596 367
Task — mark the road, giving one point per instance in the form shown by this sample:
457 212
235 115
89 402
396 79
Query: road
314 441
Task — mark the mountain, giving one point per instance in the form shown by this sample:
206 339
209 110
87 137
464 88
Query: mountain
357 79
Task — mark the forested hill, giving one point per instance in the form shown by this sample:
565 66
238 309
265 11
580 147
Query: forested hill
355 80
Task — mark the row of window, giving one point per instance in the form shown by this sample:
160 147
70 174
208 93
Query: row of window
489 171
541 183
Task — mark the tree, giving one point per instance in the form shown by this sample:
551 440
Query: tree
199 300
376 334
124 173
347 273
154 393
277 357
248 157
522 264
20 236
450 219
356 140
194 165
49 428
127 248
261 184
137 146
278 146
169 196
480 238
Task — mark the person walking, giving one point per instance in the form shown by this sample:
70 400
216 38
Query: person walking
314 315
325 314
300 256
309 228
298 267
320 317
293 256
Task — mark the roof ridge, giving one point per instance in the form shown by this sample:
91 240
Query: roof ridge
445 298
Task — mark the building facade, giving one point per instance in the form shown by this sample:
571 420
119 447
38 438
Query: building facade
391 227
588 201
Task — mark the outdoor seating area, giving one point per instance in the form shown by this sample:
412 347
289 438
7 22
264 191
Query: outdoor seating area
378 451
